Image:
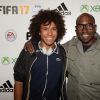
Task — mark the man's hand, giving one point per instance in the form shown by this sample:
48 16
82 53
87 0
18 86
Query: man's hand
29 47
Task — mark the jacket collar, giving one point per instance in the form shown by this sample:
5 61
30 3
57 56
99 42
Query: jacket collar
76 42
55 50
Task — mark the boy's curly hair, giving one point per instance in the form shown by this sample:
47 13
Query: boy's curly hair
46 16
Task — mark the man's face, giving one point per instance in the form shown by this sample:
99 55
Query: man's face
85 30
48 33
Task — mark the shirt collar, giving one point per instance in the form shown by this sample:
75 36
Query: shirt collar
55 50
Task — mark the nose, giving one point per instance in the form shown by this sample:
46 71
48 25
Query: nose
49 32
84 28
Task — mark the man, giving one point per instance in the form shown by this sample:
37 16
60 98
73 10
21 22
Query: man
83 64
83 53
41 76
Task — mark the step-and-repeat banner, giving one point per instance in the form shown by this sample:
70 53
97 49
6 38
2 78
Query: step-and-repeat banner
15 18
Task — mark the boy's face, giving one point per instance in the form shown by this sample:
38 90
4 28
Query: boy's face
48 34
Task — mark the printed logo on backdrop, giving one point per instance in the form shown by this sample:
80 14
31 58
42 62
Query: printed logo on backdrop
8 60
6 87
10 35
35 9
90 8
28 36
62 8
10 9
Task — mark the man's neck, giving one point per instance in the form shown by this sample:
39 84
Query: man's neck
90 43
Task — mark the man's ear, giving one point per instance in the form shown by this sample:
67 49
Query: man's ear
75 29
95 28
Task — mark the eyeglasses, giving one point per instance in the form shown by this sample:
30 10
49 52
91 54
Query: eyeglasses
89 26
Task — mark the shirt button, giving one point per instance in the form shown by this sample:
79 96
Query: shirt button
78 98
91 83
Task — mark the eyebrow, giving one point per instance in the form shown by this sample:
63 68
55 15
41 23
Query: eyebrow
86 24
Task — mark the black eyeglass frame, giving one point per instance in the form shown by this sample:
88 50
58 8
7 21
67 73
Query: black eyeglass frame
88 26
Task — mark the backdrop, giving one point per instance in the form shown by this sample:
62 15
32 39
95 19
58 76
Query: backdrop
15 18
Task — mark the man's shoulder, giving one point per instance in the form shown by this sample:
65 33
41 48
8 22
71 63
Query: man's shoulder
71 42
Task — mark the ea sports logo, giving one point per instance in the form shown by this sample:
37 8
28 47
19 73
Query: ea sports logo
10 35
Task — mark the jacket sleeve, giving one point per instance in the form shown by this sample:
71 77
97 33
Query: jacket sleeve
19 67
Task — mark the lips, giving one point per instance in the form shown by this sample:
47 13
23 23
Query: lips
85 36
49 39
